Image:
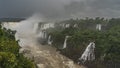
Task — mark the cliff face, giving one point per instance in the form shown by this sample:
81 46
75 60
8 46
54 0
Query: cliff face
47 57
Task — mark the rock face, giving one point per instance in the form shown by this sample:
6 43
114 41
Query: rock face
47 57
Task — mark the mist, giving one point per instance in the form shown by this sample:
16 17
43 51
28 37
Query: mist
25 30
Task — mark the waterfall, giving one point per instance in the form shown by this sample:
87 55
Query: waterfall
35 27
75 25
49 40
65 42
47 25
98 26
42 34
62 25
10 25
67 25
88 54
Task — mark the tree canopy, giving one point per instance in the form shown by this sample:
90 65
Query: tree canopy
9 52
107 51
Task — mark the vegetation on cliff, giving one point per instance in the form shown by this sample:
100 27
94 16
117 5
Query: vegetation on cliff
107 51
9 52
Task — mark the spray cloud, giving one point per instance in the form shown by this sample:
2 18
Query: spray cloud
25 30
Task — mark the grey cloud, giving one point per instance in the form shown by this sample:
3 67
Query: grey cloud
59 9
94 8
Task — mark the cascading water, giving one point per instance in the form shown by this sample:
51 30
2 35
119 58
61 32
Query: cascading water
44 35
43 56
42 30
98 27
10 25
49 40
62 25
88 54
67 25
75 25
65 42
36 28
40 34
45 26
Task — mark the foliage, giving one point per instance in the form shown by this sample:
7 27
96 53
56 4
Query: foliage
9 52
107 41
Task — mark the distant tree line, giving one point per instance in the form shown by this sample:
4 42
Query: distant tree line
11 19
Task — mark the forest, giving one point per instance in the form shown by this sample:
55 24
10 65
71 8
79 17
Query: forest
107 40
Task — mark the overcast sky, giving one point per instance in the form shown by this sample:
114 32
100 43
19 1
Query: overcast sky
60 8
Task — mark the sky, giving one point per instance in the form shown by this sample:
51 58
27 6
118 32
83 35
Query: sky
60 9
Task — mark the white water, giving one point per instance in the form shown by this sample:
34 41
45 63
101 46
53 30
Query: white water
98 27
45 26
35 28
75 25
67 25
65 42
88 54
42 34
49 40
10 25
